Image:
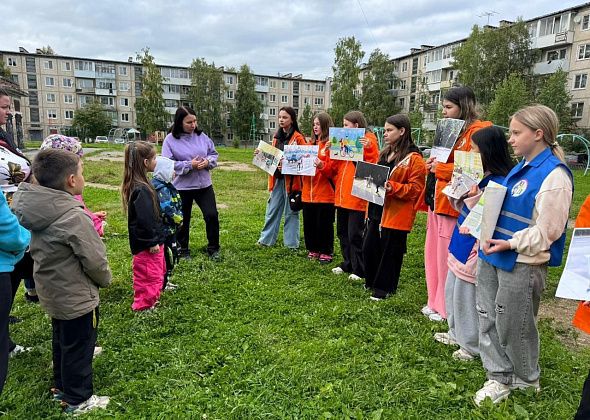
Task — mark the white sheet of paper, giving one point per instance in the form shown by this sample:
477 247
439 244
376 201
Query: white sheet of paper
575 279
483 217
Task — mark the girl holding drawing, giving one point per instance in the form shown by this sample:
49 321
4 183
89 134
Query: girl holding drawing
512 268
387 230
350 209
281 185
458 102
318 197
462 316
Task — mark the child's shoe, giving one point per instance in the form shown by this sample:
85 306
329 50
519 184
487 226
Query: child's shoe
325 259
57 394
90 404
313 255
170 286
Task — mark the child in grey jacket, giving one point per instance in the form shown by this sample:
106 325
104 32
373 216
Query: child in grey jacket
70 265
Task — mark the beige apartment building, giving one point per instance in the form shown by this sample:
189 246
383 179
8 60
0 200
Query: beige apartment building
58 85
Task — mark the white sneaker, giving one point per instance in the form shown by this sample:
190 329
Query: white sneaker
427 311
463 355
354 277
97 352
337 271
436 317
445 338
19 349
518 383
170 286
493 390
90 404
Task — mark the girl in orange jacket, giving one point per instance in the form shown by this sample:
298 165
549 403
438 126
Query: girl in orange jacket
318 197
350 210
388 226
458 102
280 186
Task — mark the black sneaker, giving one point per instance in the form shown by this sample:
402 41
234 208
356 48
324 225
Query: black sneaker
31 298
378 295
184 254
214 256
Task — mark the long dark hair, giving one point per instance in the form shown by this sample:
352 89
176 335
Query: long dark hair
179 116
464 98
325 123
404 145
135 172
493 148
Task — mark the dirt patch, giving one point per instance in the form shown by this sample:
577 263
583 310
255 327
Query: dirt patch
111 156
235 166
103 186
561 312
222 206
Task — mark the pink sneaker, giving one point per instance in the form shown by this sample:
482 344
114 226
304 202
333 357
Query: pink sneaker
325 259
313 255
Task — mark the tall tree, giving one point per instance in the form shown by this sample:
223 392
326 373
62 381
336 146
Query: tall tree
490 55
377 101
554 94
46 50
150 106
306 121
248 106
4 70
511 95
346 68
206 94
92 120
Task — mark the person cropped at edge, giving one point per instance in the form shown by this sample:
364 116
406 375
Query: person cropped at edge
195 156
280 186
458 102
350 210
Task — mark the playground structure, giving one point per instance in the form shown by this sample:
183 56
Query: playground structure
586 144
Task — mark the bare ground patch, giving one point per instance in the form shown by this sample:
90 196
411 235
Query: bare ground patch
111 156
561 312
235 166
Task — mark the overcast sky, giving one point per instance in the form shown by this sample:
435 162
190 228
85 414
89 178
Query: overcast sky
270 36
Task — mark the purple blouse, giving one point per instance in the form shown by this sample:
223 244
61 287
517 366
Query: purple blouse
182 151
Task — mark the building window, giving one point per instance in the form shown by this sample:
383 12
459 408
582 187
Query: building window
84 65
125 117
305 100
51 114
577 109
85 100
228 122
230 94
229 80
272 125
68 99
584 52
405 66
553 25
48 65
66 66
308 87
230 136
12 61
272 98
556 54
318 101
319 88
14 78
122 70
49 81
586 22
68 114
272 84
262 97
402 102
580 81
67 82
107 100
272 112
124 86
284 99
32 81
50 97
402 85
284 85
124 101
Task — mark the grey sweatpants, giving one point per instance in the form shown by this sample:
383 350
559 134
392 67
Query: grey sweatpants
461 313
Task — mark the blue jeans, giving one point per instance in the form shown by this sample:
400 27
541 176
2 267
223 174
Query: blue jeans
278 204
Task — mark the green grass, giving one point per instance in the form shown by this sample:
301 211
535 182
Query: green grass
265 333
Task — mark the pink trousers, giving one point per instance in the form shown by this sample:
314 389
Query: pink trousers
439 229
148 277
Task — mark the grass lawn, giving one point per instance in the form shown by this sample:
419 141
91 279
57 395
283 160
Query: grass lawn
265 333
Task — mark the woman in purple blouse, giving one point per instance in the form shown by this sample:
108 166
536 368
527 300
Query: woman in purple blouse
194 156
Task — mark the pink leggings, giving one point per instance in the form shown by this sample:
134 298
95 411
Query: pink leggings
439 229
148 277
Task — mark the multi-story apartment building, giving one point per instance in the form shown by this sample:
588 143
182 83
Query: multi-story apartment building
58 85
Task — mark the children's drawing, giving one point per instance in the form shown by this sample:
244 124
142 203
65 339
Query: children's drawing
267 158
345 143
369 182
575 279
445 137
299 160
467 172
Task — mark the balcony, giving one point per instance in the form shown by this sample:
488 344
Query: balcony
264 116
261 88
87 90
439 64
105 92
170 109
553 40
393 92
171 95
85 74
434 86
551 66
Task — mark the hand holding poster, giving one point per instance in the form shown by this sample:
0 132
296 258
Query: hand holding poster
299 160
345 143
369 182
575 279
483 217
467 172
267 158
445 137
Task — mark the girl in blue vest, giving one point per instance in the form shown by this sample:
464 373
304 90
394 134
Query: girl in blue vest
512 268
462 316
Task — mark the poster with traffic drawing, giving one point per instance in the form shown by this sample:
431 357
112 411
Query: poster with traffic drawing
299 160
267 158
345 143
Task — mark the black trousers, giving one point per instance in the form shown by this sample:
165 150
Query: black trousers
73 344
205 199
318 227
383 254
349 228
5 305
583 412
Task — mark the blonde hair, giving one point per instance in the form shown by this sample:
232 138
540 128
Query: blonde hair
541 117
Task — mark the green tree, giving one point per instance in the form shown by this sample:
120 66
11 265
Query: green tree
206 94
248 105
511 95
4 70
377 101
416 118
306 121
554 94
92 120
346 80
490 55
150 106
46 50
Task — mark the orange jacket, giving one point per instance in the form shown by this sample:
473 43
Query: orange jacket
296 138
582 317
343 175
407 180
444 171
318 189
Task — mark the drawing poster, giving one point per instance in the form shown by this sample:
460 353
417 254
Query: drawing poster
575 279
267 158
445 137
467 172
369 181
345 143
299 160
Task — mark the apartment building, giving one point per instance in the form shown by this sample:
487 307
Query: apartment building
59 85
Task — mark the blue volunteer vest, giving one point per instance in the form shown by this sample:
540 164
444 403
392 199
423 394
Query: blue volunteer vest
461 245
523 184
